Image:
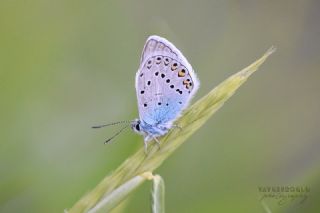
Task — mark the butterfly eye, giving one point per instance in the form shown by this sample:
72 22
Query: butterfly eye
138 127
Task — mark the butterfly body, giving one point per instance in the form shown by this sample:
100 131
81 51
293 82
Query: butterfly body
149 131
165 84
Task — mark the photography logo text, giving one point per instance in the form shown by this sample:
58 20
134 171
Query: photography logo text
284 194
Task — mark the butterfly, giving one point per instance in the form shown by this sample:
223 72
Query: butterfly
165 83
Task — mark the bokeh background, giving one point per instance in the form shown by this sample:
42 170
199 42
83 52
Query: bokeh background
68 65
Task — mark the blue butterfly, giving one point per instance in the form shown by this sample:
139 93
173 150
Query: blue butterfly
165 83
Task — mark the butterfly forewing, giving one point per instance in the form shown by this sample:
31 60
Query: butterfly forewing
154 45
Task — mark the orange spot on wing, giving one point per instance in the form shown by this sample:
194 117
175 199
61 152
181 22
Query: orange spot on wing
182 73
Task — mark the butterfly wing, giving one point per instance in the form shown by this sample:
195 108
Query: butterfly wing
165 82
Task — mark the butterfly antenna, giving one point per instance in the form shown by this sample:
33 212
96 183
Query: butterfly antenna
110 124
115 135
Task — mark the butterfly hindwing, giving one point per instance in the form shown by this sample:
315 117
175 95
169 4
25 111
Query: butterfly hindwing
165 82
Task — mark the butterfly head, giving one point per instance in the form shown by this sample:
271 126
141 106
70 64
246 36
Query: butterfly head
136 126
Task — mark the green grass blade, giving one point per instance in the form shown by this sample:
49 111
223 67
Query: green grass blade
193 118
111 200
158 195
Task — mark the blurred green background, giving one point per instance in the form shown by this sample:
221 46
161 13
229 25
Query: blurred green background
68 65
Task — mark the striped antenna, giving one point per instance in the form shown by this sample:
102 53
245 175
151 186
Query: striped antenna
110 124
115 135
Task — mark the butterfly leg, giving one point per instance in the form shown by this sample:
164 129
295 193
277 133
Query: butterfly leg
157 141
177 126
145 143
147 140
